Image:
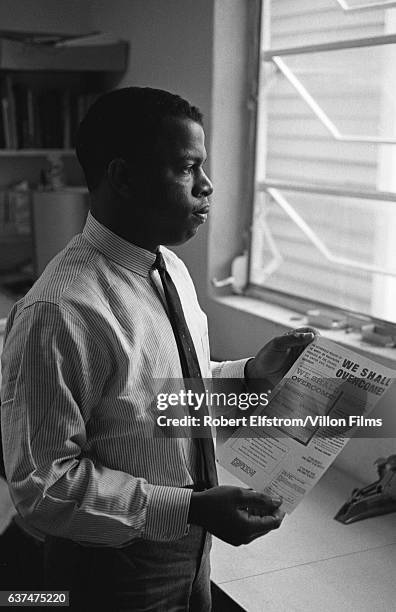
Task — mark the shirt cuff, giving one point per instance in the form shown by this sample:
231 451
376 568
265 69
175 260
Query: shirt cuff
167 513
229 369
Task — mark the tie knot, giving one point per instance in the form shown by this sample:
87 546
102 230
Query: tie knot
159 263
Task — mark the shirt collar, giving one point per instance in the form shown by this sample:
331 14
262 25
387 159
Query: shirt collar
118 249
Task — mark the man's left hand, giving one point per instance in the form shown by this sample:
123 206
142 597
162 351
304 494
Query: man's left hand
276 357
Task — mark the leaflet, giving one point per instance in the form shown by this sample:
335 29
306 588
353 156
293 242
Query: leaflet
321 402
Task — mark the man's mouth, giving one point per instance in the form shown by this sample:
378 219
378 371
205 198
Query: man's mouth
202 213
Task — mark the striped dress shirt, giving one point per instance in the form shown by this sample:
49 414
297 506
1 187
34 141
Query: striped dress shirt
86 350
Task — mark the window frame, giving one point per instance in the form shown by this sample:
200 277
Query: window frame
282 298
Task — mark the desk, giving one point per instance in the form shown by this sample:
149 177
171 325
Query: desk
313 562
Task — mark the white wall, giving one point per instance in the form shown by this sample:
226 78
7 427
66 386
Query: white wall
59 16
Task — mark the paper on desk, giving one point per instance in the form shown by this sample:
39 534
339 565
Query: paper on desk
331 390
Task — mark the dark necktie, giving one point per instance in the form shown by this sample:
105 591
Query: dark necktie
190 366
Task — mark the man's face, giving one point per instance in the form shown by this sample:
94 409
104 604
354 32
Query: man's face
177 188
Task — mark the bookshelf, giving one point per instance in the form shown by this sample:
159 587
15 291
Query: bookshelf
36 152
45 91
18 55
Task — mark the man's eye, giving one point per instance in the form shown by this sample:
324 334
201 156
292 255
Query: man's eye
188 169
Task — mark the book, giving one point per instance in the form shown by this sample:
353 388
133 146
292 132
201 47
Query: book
31 123
4 129
11 112
21 115
66 119
8 113
50 118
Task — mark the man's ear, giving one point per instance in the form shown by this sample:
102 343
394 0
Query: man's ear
119 177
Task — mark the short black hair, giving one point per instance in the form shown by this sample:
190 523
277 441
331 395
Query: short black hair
125 123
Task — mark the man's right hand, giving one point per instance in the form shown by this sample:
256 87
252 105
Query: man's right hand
235 515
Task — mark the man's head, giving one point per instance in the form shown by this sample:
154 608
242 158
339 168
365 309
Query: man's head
142 152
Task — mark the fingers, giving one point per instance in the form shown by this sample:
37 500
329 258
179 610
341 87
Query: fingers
304 329
295 338
235 515
260 524
280 515
257 526
261 502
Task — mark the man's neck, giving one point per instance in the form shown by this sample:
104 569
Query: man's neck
131 231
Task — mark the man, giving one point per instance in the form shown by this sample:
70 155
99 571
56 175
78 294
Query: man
126 511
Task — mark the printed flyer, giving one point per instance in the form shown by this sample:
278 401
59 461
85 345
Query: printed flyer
323 400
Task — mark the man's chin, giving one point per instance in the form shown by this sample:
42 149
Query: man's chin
179 240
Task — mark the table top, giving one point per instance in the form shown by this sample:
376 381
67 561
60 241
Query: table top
313 562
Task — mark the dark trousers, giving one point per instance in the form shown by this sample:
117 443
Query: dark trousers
21 560
144 576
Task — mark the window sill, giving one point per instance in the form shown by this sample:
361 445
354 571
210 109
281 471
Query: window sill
288 319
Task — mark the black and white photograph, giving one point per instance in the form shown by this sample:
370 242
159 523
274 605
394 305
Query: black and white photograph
198 305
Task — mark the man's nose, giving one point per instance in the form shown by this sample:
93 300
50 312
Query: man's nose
203 186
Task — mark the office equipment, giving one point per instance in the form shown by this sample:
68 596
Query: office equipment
380 335
326 319
375 499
